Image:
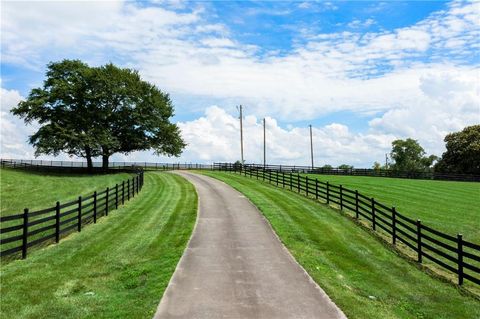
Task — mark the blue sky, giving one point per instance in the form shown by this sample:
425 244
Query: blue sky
363 73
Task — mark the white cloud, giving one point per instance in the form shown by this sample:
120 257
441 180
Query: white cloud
13 133
185 54
218 42
356 23
449 102
215 137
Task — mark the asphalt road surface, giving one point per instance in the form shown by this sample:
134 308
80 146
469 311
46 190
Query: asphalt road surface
235 266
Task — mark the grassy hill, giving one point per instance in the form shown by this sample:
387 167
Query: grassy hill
37 190
452 207
117 268
363 277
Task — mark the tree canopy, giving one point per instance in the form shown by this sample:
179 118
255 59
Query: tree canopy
408 155
463 152
99 111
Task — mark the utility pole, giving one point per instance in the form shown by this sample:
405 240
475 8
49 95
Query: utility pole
264 145
241 131
311 145
386 161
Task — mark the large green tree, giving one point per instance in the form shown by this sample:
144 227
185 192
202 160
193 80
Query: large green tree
61 107
99 111
132 115
408 155
463 152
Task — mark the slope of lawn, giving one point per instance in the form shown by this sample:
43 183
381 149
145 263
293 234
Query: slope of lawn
21 189
451 207
117 268
363 277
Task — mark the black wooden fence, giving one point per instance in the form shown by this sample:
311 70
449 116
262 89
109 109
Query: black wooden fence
453 253
72 166
97 166
370 172
19 232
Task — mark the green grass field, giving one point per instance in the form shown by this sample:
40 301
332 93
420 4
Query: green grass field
451 207
34 190
117 268
363 277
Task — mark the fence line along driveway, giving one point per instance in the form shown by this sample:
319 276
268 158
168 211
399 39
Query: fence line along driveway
236 267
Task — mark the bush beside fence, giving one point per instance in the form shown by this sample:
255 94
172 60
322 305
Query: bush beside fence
31 228
452 253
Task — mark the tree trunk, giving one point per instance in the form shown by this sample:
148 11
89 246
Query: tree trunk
88 155
105 161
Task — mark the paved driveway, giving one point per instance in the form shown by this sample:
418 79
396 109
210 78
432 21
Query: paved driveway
235 266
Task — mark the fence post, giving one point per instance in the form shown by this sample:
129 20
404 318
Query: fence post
341 197
328 193
128 189
460 258
298 182
106 202
419 240
374 222
356 204
394 225
291 180
57 222
306 185
95 207
25 233
316 188
133 187
79 222
283 179
123 192
116 196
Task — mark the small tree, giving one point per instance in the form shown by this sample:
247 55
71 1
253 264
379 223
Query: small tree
408 155
237 165
327 166
463 152
346 167
377 166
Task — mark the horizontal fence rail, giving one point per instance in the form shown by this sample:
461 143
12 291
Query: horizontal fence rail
454 254
368 172
19 232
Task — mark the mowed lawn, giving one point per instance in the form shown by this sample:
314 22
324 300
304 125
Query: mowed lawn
37 190
451 207
362 276
118 268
